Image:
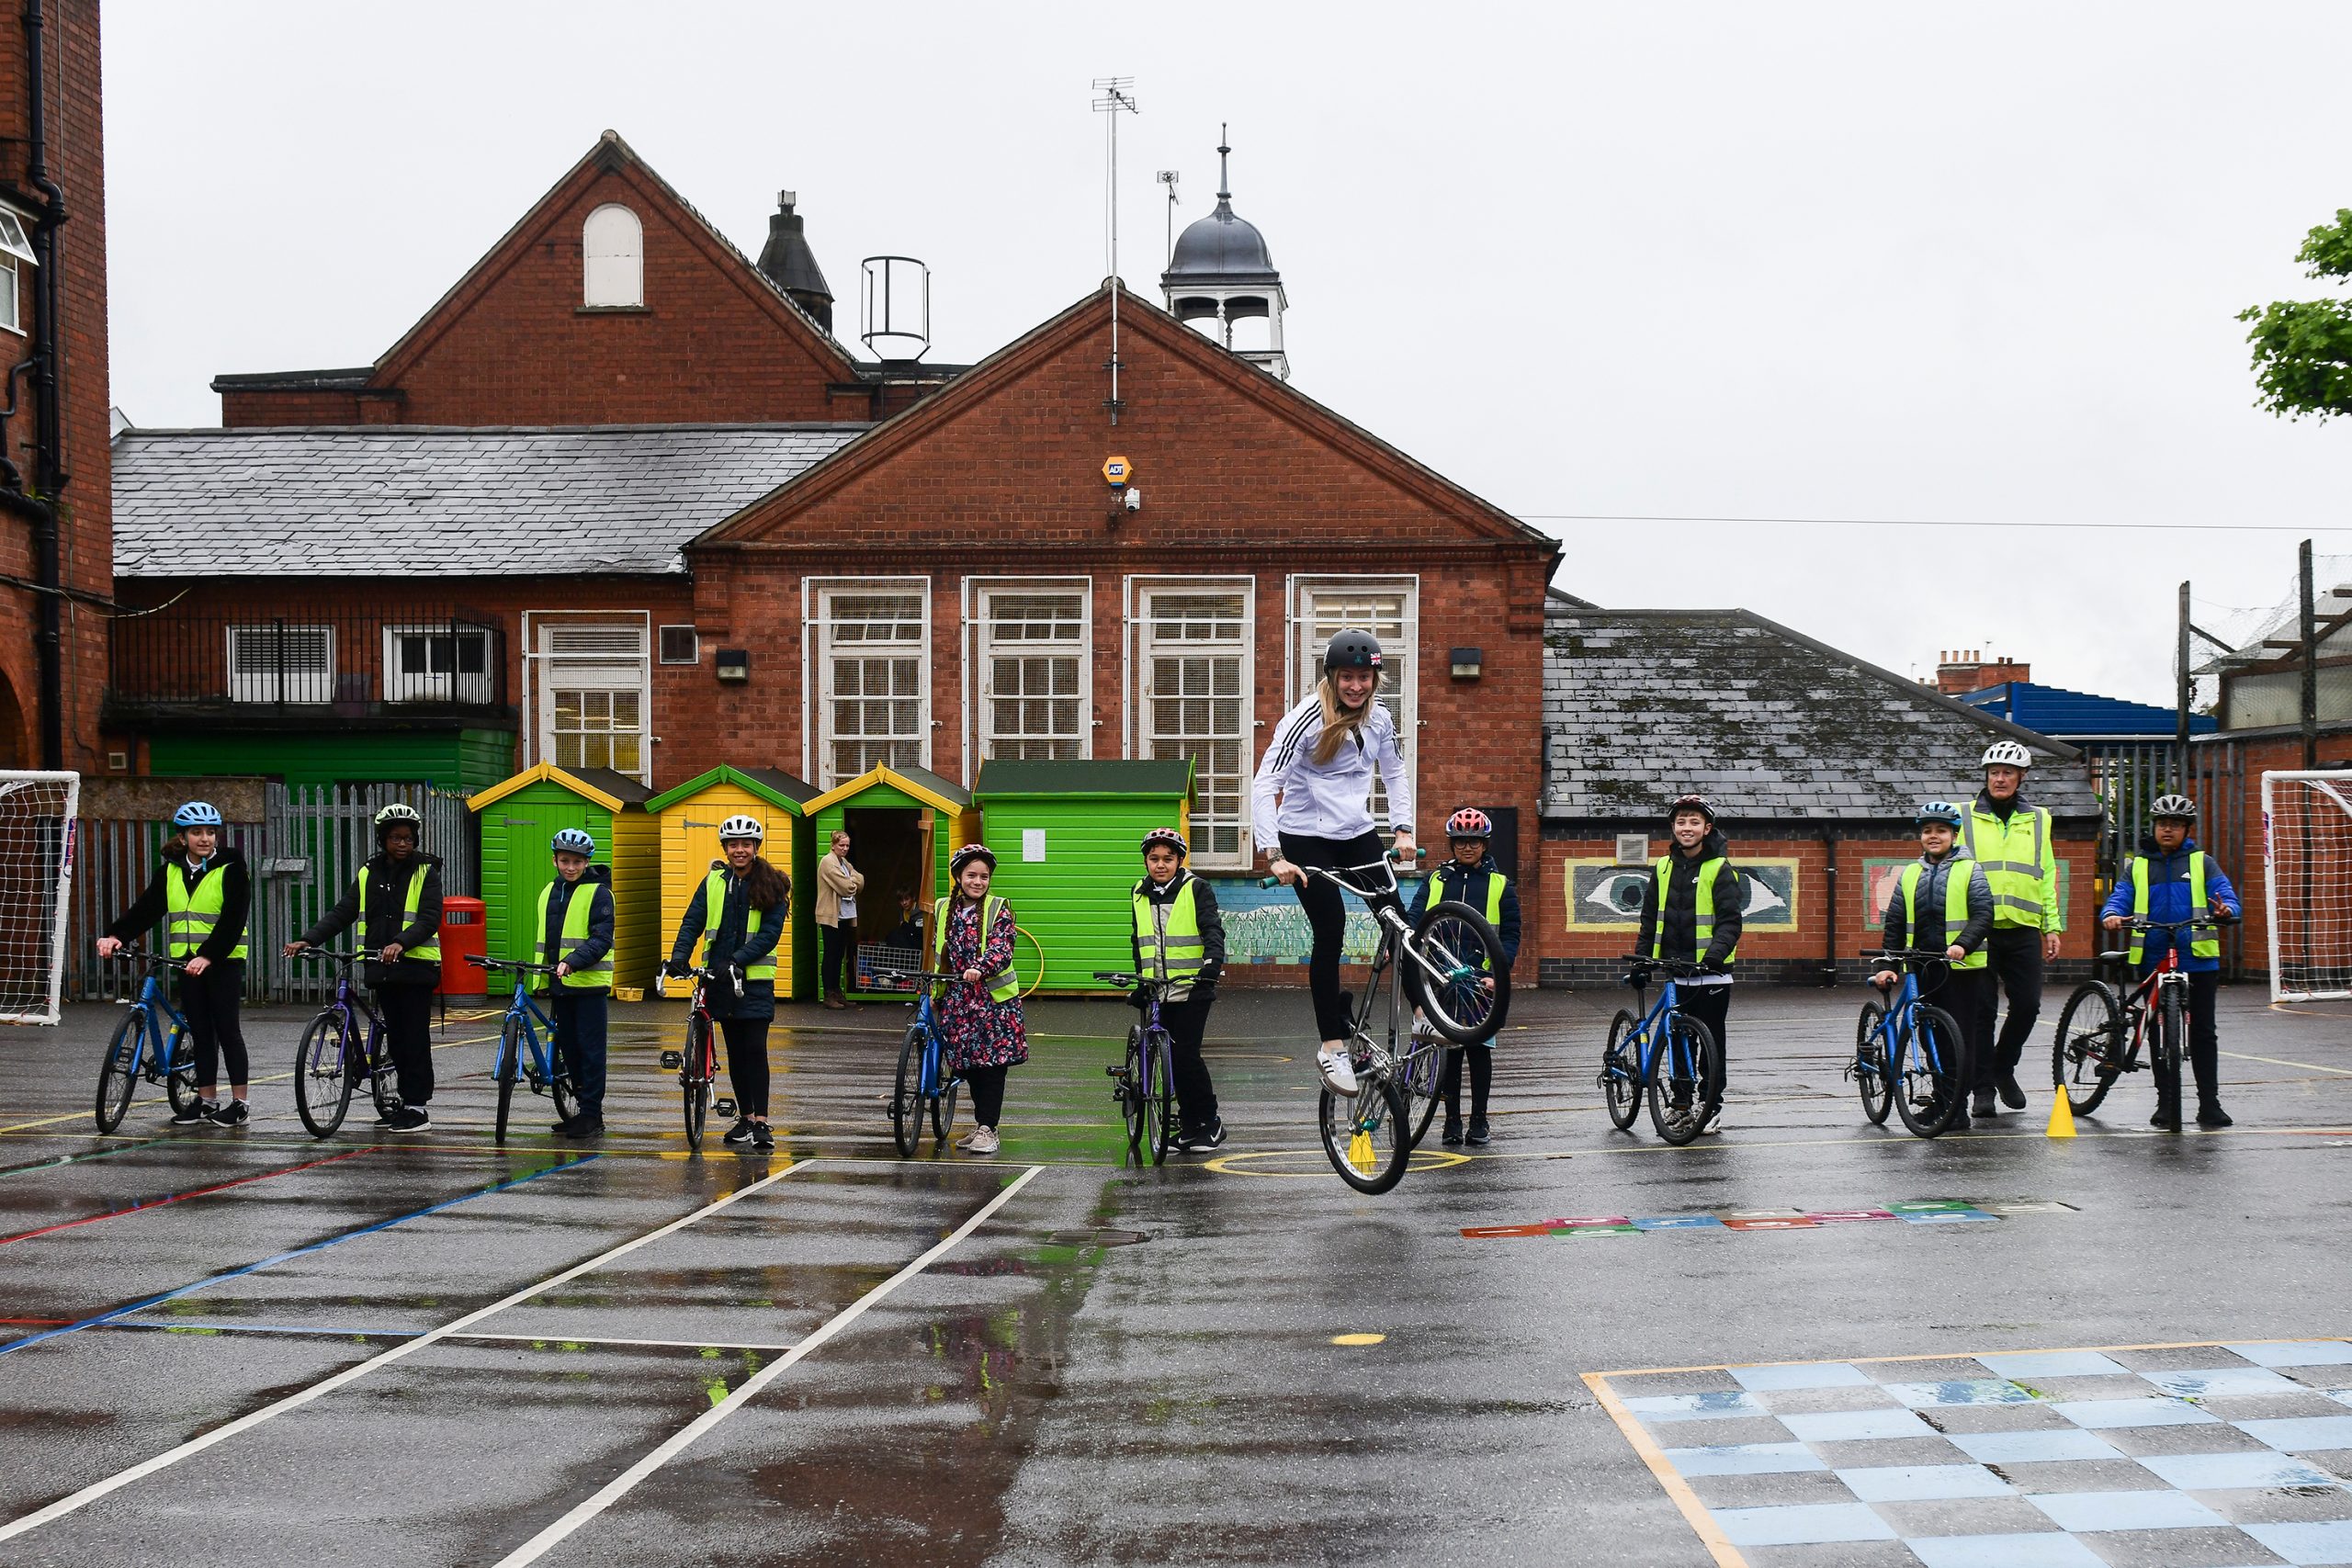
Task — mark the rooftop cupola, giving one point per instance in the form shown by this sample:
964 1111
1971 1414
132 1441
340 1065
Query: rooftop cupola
791 266
1222 272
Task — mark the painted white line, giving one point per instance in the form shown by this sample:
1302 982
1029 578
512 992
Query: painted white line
2276 1062
613 1490
145 1468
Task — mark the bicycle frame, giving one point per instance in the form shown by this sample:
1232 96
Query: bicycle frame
1651 1035
153 1060
2139 1000
1390 1061
365 1061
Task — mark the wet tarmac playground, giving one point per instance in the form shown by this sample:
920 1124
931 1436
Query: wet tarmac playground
249 1347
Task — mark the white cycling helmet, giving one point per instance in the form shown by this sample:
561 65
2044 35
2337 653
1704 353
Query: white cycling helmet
750 827
2006 754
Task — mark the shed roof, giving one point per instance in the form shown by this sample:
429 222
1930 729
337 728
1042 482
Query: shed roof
772 784
454 502
2080 715
923 783
1640 706
1101 778
608 789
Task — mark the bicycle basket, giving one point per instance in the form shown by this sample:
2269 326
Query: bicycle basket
878 959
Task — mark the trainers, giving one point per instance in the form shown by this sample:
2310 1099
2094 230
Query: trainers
2011 1095
1339 1074
409 1119
1451 1137
1424 1030
198 1110
983 1141
2211 1114
2167 1117
1477 1137
1202 1142
761 1139
232 1115
1714 1122
1981 1102
389 1114
741 1133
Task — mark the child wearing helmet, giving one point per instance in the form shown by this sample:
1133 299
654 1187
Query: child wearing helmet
576 936
1691 912
1943 901
1179 935
980 1013
1470 876
203 892
744 904
2171 879
394 904
2012 838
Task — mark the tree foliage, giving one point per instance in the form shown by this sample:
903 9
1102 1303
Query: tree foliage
2302 349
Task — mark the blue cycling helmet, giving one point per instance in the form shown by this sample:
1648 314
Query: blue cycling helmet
571 840
1942 811
196 813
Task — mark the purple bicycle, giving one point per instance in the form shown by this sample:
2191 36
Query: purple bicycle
336 1052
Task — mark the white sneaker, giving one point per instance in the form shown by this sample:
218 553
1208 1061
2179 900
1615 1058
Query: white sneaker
1424 1030
1714 1123
983 1141
1338 1073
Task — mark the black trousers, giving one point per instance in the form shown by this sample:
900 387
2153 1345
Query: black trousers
747 1063
1186 1022
1711 1005
1971 997
580 1016
211 1003
1482 1078
2204 1043
840 956
408 1020
1327 918
988 1093
2015 953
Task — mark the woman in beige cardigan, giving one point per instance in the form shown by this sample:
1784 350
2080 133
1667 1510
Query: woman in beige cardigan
838 885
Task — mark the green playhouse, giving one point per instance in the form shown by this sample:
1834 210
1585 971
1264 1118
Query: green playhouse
517 819
1065 836
903 824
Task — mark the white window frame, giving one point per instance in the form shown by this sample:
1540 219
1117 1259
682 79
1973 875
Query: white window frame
979 652
400 686
1136 593
661 632
12 314
817 597
307 686
1400 659
538 729
625 273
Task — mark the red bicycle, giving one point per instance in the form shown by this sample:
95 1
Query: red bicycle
2100 1031
698 1065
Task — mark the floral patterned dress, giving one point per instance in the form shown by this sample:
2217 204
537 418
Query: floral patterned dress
980 1031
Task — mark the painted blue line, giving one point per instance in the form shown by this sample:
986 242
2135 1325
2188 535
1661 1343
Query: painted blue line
206 1283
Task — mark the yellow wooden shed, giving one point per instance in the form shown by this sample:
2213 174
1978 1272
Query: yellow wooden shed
689 816
517 819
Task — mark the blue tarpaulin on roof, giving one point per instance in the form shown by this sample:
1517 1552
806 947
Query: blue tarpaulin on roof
2079 715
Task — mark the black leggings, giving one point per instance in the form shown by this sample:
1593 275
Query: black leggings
1326 917
840 944
988 1093
209 1002
747 1063
1482 1078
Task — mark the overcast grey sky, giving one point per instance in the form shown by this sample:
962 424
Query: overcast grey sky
1860 261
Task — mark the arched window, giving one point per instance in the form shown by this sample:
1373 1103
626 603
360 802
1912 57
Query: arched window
613 245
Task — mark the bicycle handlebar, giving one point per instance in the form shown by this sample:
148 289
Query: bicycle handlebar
329 953
1681 968
141 955
1908 954
1329 874
2201 922
918 977
1120 977
481 962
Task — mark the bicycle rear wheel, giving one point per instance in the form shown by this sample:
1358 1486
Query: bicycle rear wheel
510 1067
942 1110
1926 1079
179 1083
1424 1074
322 1075
1131 1090
1160 1096
1364 1134
1871 1076
118 1074
906 1094
2086 1056
1461 947
1621 1071
383 1079
695 1079
1680 1074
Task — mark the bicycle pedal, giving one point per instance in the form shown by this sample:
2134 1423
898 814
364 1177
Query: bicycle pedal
673 1058
724 1107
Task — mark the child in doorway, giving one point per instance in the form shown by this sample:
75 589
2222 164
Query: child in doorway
576 937
1180 936
979 1011
1472 878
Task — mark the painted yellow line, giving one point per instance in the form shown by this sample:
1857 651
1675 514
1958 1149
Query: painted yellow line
2276 1062
1711 1534
1968 1355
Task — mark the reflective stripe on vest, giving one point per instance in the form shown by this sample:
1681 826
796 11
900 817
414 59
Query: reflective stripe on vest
1702 895
190 914
714 906
429 950
1956 881
2202 944
2017 885
1168 937
1003 986
596 976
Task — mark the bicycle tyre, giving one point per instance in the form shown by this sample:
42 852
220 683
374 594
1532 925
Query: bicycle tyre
1451 934
2172 1023
2085 1044
943 1111
510 1067
1363 1135
1131 1088
695 1080
1681 1071
383 1081
1870 1076
906 1096
179 1082
1159 1097
1621 1075
321 1098
118 1074
1424 1075
1938 1057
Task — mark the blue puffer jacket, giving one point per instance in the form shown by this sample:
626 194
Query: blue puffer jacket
2169 899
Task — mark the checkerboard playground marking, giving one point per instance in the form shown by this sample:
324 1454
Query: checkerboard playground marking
1925 1211
2155 1456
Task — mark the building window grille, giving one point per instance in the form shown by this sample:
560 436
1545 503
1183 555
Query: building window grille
436 664
278 663
594 704
1192 670
874 704
1387 607
1033 659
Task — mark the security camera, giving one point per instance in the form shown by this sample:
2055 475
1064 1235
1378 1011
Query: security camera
1135 499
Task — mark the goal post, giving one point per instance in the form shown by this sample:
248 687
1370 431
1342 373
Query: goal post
39 814
2307 876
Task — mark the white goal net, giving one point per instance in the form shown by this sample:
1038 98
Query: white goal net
37 813
2307 866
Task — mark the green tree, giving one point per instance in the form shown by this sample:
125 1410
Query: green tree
2302 348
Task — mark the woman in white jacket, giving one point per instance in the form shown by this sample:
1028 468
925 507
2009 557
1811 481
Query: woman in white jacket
1319 765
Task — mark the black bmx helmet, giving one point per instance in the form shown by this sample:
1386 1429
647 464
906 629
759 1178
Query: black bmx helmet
1354 648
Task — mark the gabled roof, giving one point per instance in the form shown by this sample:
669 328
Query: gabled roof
942 795
1140 317
608 789
472 503
1099 778
2080 715
773 785
1640 706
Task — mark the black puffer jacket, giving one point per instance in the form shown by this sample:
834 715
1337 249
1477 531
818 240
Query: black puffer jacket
1681 917
384 921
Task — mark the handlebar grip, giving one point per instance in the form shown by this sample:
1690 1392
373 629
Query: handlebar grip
1270 882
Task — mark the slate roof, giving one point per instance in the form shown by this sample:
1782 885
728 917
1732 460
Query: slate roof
485 501
1640 706
2080 715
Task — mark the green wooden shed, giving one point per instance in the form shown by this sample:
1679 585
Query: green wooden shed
904 824
519 815
1065 836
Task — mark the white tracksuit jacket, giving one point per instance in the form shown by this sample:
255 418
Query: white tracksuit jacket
1333 801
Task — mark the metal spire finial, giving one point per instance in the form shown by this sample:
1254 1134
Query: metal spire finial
1223 184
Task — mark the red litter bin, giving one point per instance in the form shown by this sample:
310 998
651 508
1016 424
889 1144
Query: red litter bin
465 932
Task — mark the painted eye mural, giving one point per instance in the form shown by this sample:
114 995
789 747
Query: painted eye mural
1605 894
1618 892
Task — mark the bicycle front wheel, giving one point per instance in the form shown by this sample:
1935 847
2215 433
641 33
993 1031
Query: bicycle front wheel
510 1067
1870 1076
118 1074
906 1096
1468 997
695 1079
1621 1071
1364 1134
2172 1023
1132 1097
1926 1079
323 1075
1680 1074
179 1083
1159 1098
2088 1055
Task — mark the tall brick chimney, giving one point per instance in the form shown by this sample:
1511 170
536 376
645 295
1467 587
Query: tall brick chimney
1963 670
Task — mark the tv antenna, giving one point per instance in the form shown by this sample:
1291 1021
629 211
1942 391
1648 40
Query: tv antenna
1113 95
1169 177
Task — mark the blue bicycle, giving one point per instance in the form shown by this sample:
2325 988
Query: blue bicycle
1661 1054
519 1038
1908 1052
337 1052
141 1048
1144 1084
924 1082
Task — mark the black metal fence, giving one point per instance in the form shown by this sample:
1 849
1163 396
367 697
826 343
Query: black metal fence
353 660
2129 775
